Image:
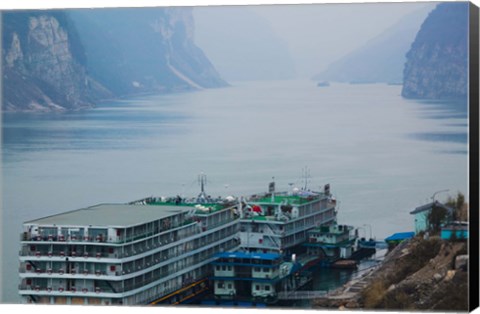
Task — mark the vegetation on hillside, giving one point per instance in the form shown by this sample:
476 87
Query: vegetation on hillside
420 275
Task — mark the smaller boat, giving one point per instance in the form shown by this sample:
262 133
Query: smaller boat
323 84
345 263
367 244
331 243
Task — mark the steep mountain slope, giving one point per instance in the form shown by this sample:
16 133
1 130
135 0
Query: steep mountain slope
63 60
381 59
144 50
436 65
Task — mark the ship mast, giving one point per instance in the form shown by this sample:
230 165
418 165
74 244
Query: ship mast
305 177
202 180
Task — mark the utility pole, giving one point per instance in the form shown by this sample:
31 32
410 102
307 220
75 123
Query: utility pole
441 191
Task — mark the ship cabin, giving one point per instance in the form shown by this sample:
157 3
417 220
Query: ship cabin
243 276
207 214
331 242
279 222
121 253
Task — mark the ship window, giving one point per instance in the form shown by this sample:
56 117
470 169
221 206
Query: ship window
217 267
229 286
265 270
257 287
224 267
257 269
267 288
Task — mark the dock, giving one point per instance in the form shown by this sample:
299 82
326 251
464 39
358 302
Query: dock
348 292
301 295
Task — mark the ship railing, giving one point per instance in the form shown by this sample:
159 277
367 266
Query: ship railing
36 253
63 288
103 238
60 271
25 251
100 238
62 238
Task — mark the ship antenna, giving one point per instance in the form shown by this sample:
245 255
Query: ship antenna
202 179
305 177
271 189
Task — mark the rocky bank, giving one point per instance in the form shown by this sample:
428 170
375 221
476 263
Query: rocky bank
417 275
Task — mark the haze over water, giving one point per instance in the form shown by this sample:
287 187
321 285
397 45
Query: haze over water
383 155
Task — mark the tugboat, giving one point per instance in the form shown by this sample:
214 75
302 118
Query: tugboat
334 244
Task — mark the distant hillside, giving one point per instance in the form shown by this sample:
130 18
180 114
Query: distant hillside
381 59
437 63
70 59
241 44
144 50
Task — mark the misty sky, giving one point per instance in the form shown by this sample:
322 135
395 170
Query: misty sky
314 34
320 34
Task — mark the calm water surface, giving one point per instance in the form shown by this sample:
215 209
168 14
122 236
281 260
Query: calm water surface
382 155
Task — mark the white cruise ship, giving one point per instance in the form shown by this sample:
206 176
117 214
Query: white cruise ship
111 254
279 222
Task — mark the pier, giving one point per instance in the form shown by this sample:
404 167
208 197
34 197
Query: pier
301 295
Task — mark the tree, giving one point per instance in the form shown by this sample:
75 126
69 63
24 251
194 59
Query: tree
458 204
436 217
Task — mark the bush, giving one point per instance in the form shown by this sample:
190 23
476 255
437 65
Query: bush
396 300
421 252
373 295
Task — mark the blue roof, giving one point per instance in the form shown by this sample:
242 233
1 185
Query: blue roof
262 256
400 236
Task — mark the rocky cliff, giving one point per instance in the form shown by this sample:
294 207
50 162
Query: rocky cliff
436 66
43 64
64 60
144 50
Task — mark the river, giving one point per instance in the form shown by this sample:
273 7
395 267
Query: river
382 155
